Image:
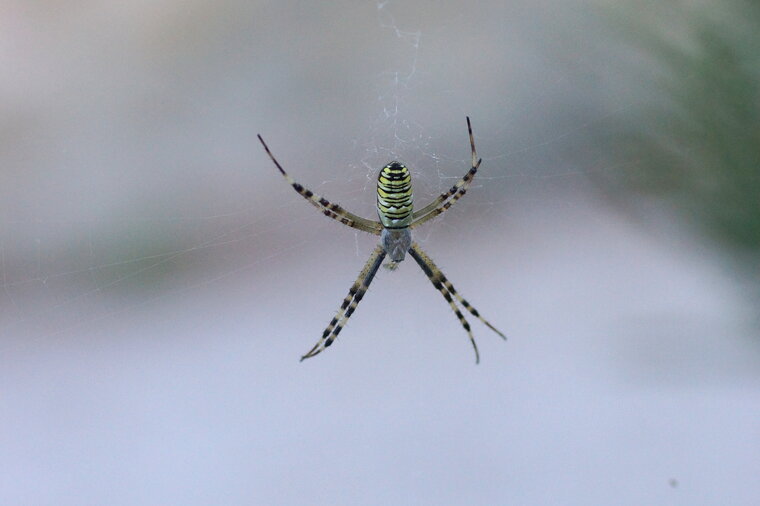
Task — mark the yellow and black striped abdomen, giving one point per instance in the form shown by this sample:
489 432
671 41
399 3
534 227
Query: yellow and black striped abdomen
394 196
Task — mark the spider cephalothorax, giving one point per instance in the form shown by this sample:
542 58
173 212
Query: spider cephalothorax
397 219
396 242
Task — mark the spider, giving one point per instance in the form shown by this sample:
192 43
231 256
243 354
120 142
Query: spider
397 219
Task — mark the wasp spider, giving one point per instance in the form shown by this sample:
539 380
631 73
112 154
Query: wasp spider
397 219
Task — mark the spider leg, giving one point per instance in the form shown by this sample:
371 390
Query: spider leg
350 302
435 276
447 289
447 199
450 287
327 208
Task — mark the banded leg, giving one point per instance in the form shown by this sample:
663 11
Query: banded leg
443 285
327 208
430 272
432 210
440 210
350 302
450 287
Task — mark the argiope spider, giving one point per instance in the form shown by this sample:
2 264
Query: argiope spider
394 208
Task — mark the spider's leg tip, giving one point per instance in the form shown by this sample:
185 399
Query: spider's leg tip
477 354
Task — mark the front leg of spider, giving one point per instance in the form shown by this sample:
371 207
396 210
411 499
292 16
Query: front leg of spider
397 219
443 285
350 302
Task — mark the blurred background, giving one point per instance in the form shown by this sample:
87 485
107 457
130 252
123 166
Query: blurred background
160 280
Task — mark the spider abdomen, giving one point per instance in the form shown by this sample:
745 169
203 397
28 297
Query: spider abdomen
394 196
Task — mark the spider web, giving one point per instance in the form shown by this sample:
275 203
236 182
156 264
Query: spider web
88 264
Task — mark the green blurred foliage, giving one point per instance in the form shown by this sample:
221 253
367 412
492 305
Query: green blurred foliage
696 142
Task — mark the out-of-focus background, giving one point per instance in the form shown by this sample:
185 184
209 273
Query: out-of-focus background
160 280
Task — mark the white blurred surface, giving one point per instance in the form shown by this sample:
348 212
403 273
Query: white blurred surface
626 368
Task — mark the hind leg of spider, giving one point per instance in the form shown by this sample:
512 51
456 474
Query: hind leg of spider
436 277
447 199
327 208
350 302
